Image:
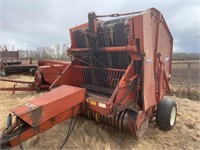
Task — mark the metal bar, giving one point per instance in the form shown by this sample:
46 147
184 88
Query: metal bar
108 78
15 81
99 77
111 69
113 79
118 15
116 79
131 48
105 77
17 89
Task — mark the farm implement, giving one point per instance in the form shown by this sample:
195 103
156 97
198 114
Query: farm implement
47 71
118 76
12 62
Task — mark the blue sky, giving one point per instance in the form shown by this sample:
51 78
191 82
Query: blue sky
29 24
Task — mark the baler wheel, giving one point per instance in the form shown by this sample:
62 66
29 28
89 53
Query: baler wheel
166 114
38 80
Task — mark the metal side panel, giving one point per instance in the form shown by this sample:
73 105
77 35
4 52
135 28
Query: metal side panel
50 104
149 90
51 72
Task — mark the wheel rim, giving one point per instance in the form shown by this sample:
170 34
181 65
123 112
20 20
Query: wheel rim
173 116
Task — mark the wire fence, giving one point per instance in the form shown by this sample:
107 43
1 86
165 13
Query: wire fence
186 74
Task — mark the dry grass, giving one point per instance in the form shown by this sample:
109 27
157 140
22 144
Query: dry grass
189 79
90 135
185 92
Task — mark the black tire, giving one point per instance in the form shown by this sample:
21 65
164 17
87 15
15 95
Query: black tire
33 70
166 114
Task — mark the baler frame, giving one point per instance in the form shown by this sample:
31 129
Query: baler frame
116 83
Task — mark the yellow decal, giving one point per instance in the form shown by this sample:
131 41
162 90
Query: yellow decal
93 102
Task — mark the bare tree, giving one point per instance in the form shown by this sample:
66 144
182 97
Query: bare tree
58 50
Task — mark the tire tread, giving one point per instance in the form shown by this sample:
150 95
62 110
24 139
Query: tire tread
163 113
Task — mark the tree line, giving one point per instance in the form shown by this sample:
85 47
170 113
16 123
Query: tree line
186 56
57 52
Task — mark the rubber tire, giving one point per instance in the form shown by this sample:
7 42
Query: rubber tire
33 70
163 113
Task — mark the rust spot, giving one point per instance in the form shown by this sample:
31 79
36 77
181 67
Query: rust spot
36 116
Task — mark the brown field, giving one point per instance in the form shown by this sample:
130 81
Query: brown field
182 75
186 82
90 135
